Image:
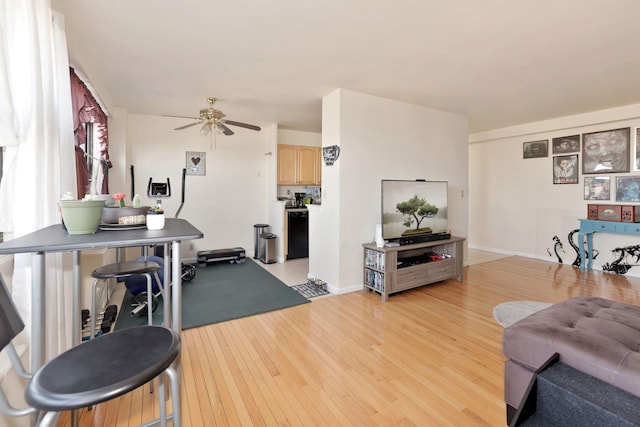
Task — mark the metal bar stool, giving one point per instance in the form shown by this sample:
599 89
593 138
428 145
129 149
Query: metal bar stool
123 270
94 372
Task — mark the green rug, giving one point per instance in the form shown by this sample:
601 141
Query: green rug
222 292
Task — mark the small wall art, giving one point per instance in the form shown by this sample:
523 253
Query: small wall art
330 154
535 149
606 151
566 144
196 163
597 188
565 169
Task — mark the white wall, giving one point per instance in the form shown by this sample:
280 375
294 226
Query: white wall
514 206
324 224
226 202
297 137
379 139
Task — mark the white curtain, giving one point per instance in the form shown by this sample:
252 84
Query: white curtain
36 129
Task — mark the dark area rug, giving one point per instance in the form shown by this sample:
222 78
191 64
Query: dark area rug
222 292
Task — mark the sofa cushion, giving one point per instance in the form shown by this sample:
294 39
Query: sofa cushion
594 335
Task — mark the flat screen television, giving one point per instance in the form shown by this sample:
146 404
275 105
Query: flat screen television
414 211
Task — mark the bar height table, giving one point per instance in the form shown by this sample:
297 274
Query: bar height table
55 238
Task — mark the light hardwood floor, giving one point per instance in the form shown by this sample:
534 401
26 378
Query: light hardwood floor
431 356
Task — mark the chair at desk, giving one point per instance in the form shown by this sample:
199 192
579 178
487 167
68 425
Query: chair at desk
94 372
129 270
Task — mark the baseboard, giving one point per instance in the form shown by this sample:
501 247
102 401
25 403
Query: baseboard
339 291
595 267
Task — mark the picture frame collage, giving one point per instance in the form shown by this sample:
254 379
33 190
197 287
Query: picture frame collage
603 153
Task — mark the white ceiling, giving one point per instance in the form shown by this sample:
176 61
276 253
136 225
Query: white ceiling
499 62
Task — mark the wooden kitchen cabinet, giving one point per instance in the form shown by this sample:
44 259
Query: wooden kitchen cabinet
307 165
299 165
287 164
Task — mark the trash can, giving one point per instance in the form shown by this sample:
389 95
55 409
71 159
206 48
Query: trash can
259 229
268 248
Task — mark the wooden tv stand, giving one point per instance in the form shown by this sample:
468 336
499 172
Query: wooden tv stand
388 270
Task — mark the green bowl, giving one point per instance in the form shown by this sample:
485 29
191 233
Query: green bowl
81 216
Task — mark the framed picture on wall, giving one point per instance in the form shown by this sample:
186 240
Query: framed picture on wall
533 149
195 162
606 151
565 169
566 144
597 188
627 189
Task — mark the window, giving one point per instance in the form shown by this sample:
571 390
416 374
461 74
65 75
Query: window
95 165
92 155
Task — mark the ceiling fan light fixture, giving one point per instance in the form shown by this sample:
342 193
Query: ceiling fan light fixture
212 120
206 129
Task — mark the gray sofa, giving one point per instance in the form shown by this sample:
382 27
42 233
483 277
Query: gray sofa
597 336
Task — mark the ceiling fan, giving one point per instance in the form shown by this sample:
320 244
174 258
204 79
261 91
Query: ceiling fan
214 119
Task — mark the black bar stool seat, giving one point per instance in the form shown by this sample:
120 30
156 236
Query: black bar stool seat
124 269
103 368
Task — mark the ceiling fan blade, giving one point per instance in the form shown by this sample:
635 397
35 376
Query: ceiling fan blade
180 117
242 125
225 129
187 126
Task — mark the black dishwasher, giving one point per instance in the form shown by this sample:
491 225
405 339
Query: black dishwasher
298 233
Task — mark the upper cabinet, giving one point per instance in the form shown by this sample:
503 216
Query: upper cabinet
287 164
299 165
